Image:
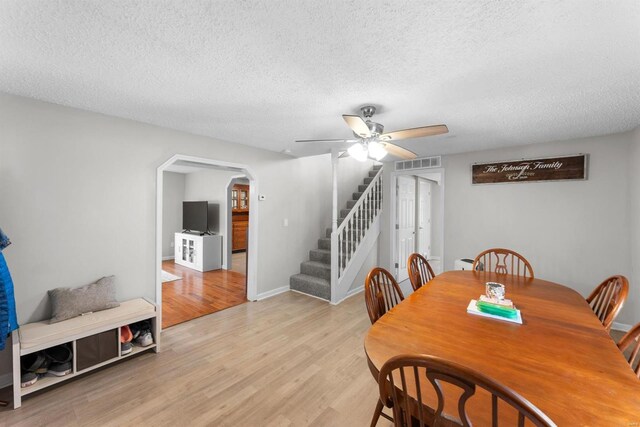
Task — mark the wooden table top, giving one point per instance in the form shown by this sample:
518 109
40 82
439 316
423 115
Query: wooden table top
561 358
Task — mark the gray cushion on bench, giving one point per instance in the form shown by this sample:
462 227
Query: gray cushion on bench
67 303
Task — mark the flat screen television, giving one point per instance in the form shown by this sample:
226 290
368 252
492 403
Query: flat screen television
195 216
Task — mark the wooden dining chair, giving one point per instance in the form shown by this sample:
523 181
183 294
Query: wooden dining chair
381 293
420 272
629 345
503 261
411 372
607 299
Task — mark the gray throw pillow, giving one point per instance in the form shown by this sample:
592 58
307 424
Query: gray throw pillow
67 303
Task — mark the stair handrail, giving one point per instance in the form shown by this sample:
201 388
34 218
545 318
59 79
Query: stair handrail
360 201
341 256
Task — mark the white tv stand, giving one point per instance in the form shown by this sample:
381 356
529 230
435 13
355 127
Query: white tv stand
201 253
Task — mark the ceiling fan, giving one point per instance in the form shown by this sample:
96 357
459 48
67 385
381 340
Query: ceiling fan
372 143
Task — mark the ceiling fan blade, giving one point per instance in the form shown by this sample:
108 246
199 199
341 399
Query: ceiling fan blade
357 125
415 132
398 151
327 140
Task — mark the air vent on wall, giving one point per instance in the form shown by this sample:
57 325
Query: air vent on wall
423 163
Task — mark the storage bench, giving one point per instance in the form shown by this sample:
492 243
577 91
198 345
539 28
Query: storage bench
94 339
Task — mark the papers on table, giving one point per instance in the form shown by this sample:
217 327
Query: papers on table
472 309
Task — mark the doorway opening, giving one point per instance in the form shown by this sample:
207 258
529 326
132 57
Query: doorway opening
196 272
417 220
238 195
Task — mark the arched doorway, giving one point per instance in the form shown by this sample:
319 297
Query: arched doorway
199 162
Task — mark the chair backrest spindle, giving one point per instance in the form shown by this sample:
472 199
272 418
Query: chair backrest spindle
412 410
503 261
420 272
607 299
381 293
630 344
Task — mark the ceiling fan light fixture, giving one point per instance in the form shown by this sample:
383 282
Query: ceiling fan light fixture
377 150
358 151
372 143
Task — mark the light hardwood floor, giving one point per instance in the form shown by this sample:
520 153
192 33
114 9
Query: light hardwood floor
239 262
197 294
289 360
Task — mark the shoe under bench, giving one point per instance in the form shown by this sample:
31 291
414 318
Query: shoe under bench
94 339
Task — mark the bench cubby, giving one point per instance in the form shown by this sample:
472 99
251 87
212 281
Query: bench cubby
94 339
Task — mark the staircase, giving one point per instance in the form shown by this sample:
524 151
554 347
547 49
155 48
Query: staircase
315 275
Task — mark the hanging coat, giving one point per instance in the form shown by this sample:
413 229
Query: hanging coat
4 315
8 320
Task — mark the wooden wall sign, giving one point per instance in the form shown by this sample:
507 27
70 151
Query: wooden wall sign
543 169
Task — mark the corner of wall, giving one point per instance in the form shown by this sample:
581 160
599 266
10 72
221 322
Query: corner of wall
634 205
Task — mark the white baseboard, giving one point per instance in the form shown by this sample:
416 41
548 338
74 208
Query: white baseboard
309 295
6 380
621 327
168 258
272 293
351 293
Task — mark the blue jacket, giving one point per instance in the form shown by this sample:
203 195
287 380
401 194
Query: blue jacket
4 315
4 240
8 320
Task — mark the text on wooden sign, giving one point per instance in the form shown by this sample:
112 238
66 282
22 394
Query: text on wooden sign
545 169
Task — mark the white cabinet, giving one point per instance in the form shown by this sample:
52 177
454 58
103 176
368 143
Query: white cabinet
202 253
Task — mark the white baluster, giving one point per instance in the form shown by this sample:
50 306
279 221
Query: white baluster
368 208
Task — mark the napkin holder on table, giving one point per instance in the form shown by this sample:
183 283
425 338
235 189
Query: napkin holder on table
472 308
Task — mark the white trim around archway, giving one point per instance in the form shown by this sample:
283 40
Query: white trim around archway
252 254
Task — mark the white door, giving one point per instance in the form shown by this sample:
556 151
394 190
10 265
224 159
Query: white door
424 218
406 224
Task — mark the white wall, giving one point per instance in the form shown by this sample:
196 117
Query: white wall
5 365
573 232
78 200
211 185
437 220
173 195
632 308
78 196
371 261
386 250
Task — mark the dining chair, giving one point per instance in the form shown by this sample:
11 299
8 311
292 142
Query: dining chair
420 272
381 293
415 372
503 261
607 299
629 345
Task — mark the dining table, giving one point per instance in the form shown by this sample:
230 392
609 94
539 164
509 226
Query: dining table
561 358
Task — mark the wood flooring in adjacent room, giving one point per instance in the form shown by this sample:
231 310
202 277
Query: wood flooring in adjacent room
197 294
289 360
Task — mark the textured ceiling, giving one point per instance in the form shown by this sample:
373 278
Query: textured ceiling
265 73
